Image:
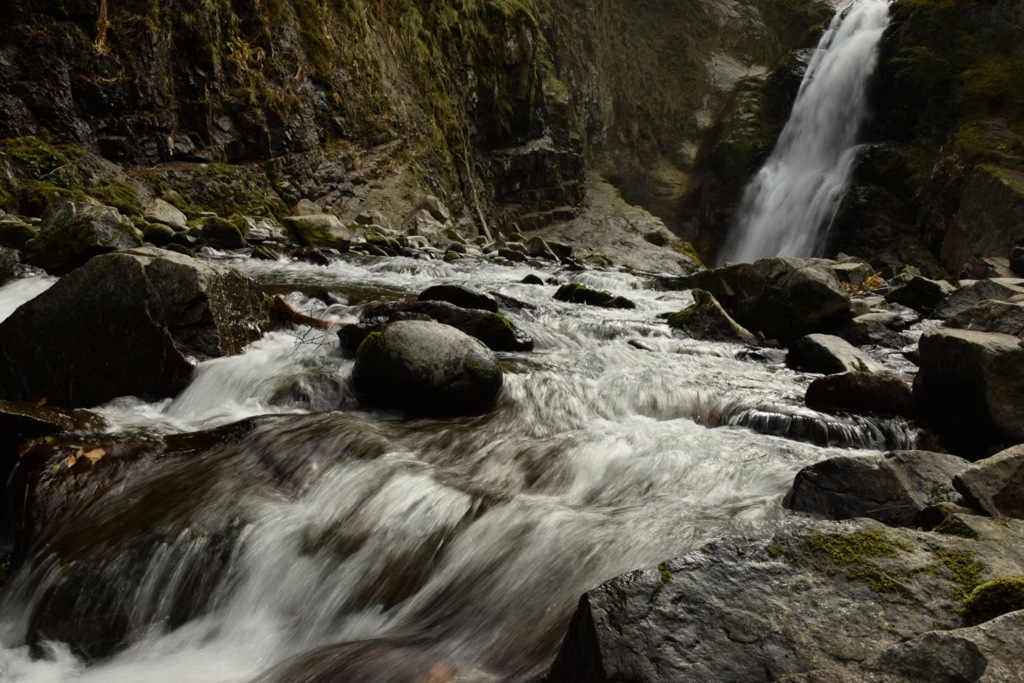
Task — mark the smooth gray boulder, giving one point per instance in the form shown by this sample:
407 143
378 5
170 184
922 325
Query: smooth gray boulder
783 298
130 323
879 393
970 389
892 489
828 355
321 230
426 368
74 232
160 211
996 484
707 320
819 595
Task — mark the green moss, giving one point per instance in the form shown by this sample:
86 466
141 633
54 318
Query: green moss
679 319
994 598
119 194
852 554
573 292
373 345
954 526
964 569
479 373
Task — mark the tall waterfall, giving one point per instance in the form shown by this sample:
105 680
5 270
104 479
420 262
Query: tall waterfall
788 207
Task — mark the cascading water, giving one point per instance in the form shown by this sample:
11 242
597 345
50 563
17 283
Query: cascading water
788 207
324 537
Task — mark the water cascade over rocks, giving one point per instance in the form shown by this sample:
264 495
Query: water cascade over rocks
788 206
266 525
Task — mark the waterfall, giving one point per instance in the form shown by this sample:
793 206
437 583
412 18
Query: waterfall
788 207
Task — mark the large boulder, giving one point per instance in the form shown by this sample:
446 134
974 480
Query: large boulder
818 595
829 355
322 230
74 232
784 298
707 320
970 387
996 484
892 489
996 289
457 295
131 323
921 294
426 368
880 393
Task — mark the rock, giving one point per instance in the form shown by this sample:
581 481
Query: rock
921 294
423 223
707 320
307 207
995 598
513 255
892 489
435 207
537 247
15 234
131 323
996 484
10 265
829 355
158 234
969 389
166 214
1017 260
494 330
573 292
874 329
312 255
783 298
982 267
936 515
532 279
1001 317
220 233
460 296
74 232
818 595
373 218
263 230
880 393
426 368
319 230
983 290
267 252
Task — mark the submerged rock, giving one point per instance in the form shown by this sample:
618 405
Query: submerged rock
575 293
127 324
426 368
783 298
460 296
893 489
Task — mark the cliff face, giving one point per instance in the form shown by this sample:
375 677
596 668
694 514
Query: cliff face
942 180
489 103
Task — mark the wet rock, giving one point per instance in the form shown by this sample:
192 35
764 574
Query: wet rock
1001 317
460 296
874 329
879 393
575 293
74 232
493 329
312 255
921 294
267 252
15 233
537 247
817 596
321 230
10 264
133 514
158 234
783 298
892 489
532 279
707 320
426 368
166 214
970 387
376 661
983 290
996 484
829 355
131 323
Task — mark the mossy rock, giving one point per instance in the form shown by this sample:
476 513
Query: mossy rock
993 599
575 293
15 234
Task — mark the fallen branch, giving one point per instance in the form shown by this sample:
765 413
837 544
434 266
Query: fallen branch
291 315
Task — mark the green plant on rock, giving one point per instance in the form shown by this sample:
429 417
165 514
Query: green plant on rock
994 598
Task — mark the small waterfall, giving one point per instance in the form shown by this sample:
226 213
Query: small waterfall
787 208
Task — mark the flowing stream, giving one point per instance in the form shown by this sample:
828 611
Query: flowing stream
446 549
789 205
